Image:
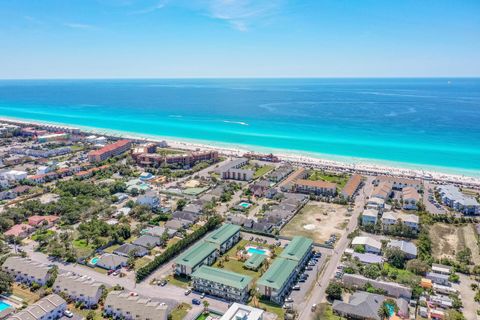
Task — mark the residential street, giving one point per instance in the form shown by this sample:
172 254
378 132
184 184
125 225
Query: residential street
318 293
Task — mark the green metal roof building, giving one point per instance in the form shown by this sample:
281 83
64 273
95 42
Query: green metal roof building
223 277
254 262
223 234
194 256
278 274
297 249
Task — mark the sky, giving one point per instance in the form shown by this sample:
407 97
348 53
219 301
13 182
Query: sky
239 38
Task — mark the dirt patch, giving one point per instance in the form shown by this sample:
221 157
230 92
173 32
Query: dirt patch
318 220
447 240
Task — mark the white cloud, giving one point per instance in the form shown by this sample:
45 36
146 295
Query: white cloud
159 5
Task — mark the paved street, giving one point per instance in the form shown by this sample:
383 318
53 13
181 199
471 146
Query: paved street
318 293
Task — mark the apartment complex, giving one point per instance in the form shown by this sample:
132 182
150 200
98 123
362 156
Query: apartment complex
222 283
184 160
224 237
123 305
202 253
110 150
81 289
233 170
317 187
452 196
50 307
26 271
352 186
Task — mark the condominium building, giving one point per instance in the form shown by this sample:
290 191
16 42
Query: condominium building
184 160
276 282
222 283
298 250
224 237
81 289
127 306
318 187
110 150
202 253
398 183
50 307
455 199
410 198
233 170
390 218
352 186
369 216
26 271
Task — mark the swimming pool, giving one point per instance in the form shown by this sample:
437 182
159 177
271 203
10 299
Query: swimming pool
253 250
94 260
4 306
245 205
391 309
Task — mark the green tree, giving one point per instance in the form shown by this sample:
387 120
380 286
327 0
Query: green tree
6 282
334 291
181 203
395 257
417 266
385 309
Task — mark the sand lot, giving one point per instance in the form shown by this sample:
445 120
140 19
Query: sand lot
447 240
318 220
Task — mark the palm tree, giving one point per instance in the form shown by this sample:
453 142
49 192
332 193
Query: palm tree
206 304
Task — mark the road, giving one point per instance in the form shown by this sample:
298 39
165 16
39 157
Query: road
170 293
467 295
318 293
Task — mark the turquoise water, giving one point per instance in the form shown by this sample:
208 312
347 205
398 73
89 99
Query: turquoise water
257 251
245 205
414 123
391 309
94 260
4 305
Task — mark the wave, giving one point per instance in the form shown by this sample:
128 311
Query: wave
236 122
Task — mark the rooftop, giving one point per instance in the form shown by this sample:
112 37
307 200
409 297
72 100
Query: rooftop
196 254
227 278
255 261
297 248
316 183
222 234
278 273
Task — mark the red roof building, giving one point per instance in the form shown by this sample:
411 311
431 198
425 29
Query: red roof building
110 150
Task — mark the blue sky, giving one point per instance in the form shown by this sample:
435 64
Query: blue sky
239 38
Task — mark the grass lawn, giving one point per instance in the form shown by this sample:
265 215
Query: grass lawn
340 180
172 241
82 248
43 234
25 294
85 312
237 266
326 312
262 170
111 248
270 307
140 262
400 275
178 281
180 311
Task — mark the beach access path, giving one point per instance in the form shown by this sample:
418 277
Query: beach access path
318 293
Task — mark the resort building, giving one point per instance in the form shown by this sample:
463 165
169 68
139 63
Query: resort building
452 196
369 216
183 160
81 289
352 186
276 282
50 307
280 173
202 253
222 283
383 190
110 150
123 305
287 184
298 250
390 218
54 137
318 187
26 271
410 198
233 170
368 243
239 311
224 237
398 183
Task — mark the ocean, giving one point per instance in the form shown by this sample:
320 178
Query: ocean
431 124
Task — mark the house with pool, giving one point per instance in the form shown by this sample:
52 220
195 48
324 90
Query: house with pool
221 283
224 237
26 271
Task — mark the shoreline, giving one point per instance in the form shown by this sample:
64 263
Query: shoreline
295 157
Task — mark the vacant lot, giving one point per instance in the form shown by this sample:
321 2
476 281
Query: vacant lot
448 239
318 220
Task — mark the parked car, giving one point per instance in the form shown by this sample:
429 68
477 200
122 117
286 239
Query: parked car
196 302
187 292
289 299
67 313
202 295
296 287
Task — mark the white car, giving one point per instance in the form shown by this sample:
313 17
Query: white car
289 299
187 292
68 313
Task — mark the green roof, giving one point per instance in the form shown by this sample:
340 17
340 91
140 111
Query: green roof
227 278
255 261
222 234
196 254
297 248
278 273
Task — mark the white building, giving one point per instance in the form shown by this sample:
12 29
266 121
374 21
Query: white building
370 244
239 311
375 203
26 271
50 307
13 175
454 198
390 218
233 170
80 289
410 197
369 216
150 199
128 306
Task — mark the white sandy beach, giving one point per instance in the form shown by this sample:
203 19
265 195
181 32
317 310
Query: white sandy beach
233 151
